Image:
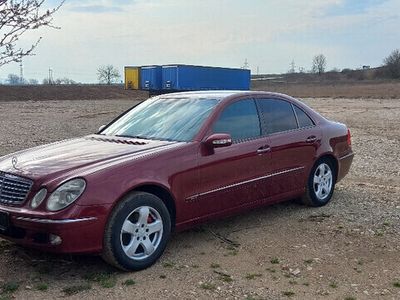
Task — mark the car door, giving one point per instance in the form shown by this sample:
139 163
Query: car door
233 176
294 141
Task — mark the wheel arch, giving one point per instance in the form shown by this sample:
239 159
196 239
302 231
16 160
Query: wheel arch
111 254
330 157
161 192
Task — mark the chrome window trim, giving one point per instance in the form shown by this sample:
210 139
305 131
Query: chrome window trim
291 130
50 221
243 182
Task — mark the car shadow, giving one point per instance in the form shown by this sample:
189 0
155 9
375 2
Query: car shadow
53 266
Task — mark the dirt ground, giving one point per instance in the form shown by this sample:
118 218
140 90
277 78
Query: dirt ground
67 92
348 249
373 89
335 89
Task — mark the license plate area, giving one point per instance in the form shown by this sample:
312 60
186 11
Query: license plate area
4 221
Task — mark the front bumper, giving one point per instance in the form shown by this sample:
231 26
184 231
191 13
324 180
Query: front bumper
73 235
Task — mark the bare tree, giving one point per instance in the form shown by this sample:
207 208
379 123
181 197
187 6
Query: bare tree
319 64
108 74
13 79
18 17
64 80
392 62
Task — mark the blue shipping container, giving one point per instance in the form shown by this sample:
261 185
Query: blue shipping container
191 78
151 78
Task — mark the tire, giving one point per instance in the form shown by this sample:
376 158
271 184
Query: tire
320 184
137 232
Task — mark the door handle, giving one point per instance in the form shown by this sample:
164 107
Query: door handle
311 139
263 149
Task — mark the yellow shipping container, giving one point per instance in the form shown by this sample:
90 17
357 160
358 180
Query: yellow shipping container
132 79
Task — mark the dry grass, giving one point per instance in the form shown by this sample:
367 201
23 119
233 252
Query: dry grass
361 89
68 92
339 89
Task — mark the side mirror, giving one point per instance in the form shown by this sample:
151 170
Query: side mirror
218 140
101 127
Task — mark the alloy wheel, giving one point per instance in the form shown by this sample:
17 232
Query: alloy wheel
323 180
141 233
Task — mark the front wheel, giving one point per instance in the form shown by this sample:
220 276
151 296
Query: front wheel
137 232
320 184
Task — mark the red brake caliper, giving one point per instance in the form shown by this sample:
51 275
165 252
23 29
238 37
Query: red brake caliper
150 219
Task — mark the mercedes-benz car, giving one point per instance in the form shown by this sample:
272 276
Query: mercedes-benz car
167 164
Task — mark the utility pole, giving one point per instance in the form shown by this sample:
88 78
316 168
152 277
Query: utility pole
292 69
246 65
21 73
50 76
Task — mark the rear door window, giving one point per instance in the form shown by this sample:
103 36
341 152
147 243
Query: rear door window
276 115
239 119
303 118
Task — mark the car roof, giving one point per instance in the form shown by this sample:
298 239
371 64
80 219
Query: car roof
218 94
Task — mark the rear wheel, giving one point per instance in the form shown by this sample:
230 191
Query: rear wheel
320 184
137 232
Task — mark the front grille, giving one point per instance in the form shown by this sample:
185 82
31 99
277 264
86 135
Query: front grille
13 189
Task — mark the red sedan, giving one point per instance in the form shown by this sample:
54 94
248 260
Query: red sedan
167 164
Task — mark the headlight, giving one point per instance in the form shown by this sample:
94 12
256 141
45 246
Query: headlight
66 194
38 199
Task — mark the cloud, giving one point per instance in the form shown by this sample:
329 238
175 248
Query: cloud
96 9
350 7
225 32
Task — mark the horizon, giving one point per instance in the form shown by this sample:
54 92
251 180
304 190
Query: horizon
269 34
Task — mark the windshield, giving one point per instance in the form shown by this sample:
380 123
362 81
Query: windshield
171 119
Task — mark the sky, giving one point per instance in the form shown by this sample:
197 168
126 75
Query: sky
268 33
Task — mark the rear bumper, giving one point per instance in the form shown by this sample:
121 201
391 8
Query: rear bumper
345 162
75 235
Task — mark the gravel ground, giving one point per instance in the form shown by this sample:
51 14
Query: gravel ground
348 249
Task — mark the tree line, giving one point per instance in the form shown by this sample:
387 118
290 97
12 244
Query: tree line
107 74
390 66
13 79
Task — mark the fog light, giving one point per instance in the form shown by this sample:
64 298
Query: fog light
55 239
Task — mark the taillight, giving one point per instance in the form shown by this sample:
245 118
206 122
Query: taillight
348 137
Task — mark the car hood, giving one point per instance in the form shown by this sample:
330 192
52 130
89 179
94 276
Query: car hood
75 153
